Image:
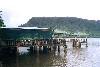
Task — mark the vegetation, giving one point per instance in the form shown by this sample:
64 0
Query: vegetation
1 20
69 24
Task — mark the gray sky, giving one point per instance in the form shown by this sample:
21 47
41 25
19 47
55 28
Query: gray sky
16 12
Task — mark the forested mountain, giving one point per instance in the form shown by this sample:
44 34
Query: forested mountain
68 24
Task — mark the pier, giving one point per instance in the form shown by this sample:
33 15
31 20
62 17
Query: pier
38 39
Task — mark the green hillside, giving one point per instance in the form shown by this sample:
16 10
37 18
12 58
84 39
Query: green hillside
69 24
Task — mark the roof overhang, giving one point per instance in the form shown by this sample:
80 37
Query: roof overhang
23 28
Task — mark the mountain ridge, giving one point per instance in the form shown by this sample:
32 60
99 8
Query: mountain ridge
68 24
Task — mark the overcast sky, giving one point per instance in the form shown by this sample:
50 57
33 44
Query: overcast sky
16 12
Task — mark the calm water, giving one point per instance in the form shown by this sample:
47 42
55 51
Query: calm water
72 57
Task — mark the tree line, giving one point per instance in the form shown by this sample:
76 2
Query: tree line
1 20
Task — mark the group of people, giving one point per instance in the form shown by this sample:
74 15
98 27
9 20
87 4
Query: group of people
40 42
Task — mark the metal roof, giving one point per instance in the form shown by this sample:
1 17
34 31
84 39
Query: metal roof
23 28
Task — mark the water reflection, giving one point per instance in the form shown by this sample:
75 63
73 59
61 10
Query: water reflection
70 57
33 60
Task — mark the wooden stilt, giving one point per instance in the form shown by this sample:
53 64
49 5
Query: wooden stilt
74 43
40 49
54 47
45 50
35 49
58 48
31 49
